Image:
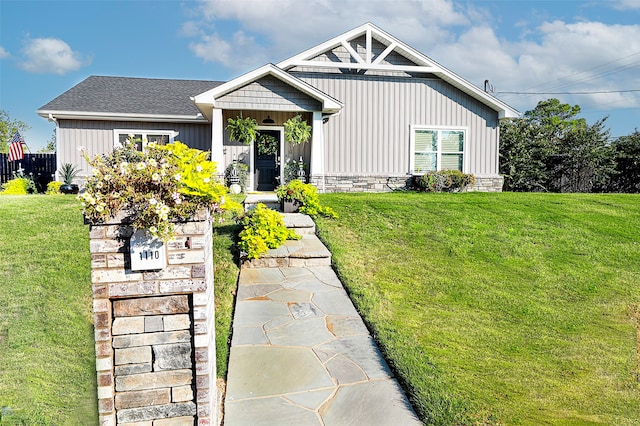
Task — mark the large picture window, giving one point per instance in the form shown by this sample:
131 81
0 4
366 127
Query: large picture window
437 149
144 137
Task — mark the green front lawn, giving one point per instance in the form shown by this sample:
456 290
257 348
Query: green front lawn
47 358
499 308
502 308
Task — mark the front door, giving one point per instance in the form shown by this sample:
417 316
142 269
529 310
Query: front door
266 154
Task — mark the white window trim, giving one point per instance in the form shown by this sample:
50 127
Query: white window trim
412 145
117 132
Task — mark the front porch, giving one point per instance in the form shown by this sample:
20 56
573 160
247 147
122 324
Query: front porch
270 96
267 170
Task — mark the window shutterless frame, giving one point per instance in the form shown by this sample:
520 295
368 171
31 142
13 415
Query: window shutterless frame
434 148
161 137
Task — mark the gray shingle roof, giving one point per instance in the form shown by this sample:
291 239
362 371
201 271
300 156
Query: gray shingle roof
132 96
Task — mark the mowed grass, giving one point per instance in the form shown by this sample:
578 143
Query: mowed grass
47 358
500 308
516 309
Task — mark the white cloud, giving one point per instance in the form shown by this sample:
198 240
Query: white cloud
238 53
546 56
49 55
3 53
626 4
556 57
281 28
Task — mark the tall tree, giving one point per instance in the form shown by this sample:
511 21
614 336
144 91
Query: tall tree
8 127
625 153
51 144
581 161
550 149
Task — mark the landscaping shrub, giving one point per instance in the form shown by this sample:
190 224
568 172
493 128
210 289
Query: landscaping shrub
53 187
157 186
263 229
19 186
444 181
305 195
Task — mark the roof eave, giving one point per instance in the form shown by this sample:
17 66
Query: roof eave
116 116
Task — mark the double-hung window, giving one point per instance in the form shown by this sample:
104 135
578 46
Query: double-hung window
143 137
436 149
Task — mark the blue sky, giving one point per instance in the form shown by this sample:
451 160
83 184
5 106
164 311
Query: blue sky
540 47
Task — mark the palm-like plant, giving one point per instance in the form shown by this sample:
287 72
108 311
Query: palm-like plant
68 173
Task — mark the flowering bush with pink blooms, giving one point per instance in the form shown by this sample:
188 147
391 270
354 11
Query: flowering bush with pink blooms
154 188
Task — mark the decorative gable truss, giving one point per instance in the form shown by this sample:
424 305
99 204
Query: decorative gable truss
364 48
368 48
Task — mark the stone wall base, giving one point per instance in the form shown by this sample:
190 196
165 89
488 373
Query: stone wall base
155 329
387 183
488 184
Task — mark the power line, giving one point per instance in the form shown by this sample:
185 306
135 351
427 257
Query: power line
558 82
565 82
596 92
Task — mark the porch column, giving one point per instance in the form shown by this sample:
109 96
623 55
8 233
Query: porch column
316 169
217 137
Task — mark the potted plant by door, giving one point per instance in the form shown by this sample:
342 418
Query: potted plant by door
290 196
68 173
302 197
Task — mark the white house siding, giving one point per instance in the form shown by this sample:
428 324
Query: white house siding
372 133
97 137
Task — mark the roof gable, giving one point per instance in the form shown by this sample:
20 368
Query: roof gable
268 93
367 47
211 98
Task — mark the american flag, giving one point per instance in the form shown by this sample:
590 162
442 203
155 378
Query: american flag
15 147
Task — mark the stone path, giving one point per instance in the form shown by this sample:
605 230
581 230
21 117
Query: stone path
301 355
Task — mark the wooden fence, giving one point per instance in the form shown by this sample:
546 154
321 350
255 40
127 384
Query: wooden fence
41 167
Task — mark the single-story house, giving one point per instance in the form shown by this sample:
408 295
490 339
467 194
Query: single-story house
381 112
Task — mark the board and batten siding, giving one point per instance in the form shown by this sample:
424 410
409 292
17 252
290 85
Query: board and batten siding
371 135
97 137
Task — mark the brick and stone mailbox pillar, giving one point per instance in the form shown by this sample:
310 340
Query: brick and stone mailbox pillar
154 328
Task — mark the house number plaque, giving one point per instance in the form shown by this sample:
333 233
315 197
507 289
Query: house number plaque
147 252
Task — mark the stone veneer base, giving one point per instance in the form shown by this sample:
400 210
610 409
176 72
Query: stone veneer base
387 183
155 330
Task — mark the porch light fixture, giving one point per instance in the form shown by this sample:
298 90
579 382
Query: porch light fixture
268 120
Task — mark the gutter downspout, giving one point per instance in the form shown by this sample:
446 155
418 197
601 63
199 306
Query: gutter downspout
58 143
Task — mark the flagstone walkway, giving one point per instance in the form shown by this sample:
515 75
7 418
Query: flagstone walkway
300 353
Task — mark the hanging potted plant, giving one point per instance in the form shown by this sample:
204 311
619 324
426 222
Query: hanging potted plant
68 173
296 130
243 130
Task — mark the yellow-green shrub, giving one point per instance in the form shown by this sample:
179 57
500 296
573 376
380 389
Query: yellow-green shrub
53 187
306 196
18 186
264 229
